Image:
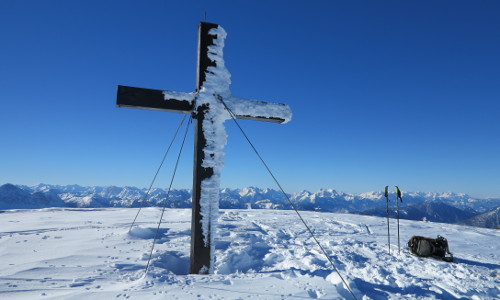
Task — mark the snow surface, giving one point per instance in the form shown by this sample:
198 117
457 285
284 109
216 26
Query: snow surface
260 254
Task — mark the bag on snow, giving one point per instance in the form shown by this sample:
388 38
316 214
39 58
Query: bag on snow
427 247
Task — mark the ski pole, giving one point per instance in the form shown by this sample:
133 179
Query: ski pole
398 197
387 212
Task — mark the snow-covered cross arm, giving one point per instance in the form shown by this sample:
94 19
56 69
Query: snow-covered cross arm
210 105
152 99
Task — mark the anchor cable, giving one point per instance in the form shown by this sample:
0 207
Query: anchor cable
287 197
168 193
157 171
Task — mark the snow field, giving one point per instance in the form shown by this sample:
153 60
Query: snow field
260 254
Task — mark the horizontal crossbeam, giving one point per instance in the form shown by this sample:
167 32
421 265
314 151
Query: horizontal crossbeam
150 99
183 102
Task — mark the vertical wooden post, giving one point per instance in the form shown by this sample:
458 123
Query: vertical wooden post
200 244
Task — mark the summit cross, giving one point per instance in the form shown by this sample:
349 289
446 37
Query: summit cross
208 106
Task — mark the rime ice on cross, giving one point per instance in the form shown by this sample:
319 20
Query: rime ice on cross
209 113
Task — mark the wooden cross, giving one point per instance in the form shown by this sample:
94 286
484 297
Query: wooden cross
208 106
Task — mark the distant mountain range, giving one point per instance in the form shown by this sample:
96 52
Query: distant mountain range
435 207
430 210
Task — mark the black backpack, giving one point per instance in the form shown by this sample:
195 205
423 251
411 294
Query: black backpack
427 247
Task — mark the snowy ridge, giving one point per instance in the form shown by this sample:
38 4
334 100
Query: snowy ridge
325 200
260 254
489 219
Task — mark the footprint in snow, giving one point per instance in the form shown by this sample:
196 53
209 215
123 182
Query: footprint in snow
314 294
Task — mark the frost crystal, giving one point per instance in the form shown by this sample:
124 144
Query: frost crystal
216 84
179 95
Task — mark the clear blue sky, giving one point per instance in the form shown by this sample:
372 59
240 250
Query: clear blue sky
383 92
